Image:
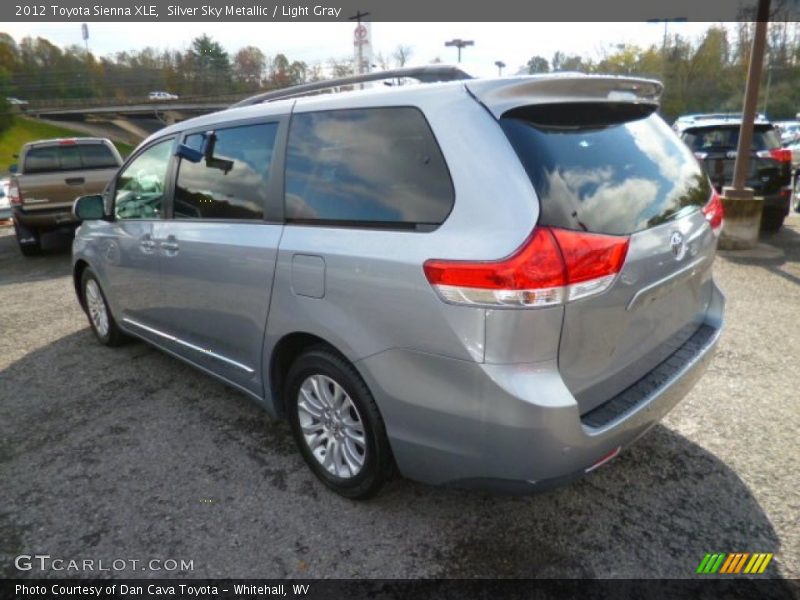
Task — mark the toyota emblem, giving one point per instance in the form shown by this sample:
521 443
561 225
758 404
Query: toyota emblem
677 245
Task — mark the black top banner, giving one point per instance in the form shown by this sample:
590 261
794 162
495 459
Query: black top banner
382 11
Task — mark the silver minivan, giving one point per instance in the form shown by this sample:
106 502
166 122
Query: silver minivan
497 283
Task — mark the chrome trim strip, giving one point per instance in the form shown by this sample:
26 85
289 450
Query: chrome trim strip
670 281
205 351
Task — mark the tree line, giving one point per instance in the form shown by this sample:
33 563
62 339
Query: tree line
703 75
700 75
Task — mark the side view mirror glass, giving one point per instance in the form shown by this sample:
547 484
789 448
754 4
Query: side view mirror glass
89 208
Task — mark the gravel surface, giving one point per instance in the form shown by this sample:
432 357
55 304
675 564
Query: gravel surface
129 454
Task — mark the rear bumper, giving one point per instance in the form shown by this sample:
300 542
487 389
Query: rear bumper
516 428
44 219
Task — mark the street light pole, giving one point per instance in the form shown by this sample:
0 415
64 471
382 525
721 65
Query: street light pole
500 66
459 43
666 22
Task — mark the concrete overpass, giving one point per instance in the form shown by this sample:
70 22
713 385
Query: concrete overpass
128 122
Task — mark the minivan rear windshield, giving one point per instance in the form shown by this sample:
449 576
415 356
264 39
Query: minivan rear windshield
617 177
710 139
69 157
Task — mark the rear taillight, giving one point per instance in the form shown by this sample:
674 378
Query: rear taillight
714 212
553 266
779 154
14 195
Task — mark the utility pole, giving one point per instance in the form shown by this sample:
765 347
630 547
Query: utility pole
360 31
500 66
459 43
742 209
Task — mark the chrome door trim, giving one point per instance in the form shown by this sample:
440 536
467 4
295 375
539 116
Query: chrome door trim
189 345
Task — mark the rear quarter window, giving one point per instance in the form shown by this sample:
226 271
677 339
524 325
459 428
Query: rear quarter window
376 166
615 177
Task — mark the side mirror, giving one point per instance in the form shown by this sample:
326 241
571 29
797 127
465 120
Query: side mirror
188 153
13 168
89 208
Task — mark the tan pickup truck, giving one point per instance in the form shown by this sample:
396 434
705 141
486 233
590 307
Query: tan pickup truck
50 175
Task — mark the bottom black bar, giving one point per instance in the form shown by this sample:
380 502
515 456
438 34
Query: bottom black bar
375 589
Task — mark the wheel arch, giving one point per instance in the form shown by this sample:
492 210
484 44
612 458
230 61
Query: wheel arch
284 353
77 275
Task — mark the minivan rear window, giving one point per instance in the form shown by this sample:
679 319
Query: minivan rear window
612 176
69 157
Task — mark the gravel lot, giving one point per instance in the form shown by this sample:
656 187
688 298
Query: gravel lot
127 453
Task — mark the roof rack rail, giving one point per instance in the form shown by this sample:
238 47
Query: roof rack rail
426 74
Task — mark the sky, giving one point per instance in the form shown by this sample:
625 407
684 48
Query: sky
512 43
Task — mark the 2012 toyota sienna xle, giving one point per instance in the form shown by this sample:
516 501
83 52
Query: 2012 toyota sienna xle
496 283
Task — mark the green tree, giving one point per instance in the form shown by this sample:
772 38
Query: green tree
537 64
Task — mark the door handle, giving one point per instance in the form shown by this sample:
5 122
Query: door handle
170 244
74 180
146 243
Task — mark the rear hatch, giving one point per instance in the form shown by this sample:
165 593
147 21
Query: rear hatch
54 174
616 168
769 169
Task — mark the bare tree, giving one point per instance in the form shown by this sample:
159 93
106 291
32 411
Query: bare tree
402 54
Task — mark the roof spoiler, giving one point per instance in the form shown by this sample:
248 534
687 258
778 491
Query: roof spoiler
426 74
502 95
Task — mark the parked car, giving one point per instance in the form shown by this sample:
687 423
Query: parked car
714 143
789 131
50 175
5 206
497 283
156 96
684 121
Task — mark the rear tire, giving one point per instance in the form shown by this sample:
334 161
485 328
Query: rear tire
336 424
100 318
29 240
772 221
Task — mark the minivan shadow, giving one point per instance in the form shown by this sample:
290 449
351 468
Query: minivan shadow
107 452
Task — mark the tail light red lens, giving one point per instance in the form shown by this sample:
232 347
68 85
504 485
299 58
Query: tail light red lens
779 154
714 212
14 195
552 266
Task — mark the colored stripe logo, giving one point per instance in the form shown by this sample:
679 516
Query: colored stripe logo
734 563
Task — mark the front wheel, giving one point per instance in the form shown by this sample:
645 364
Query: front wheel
100 319
336 424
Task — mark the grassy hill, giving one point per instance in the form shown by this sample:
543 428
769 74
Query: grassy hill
27 130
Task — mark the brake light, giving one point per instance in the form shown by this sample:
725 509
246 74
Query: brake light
67 142
14 195
779 154
551 267
714 212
